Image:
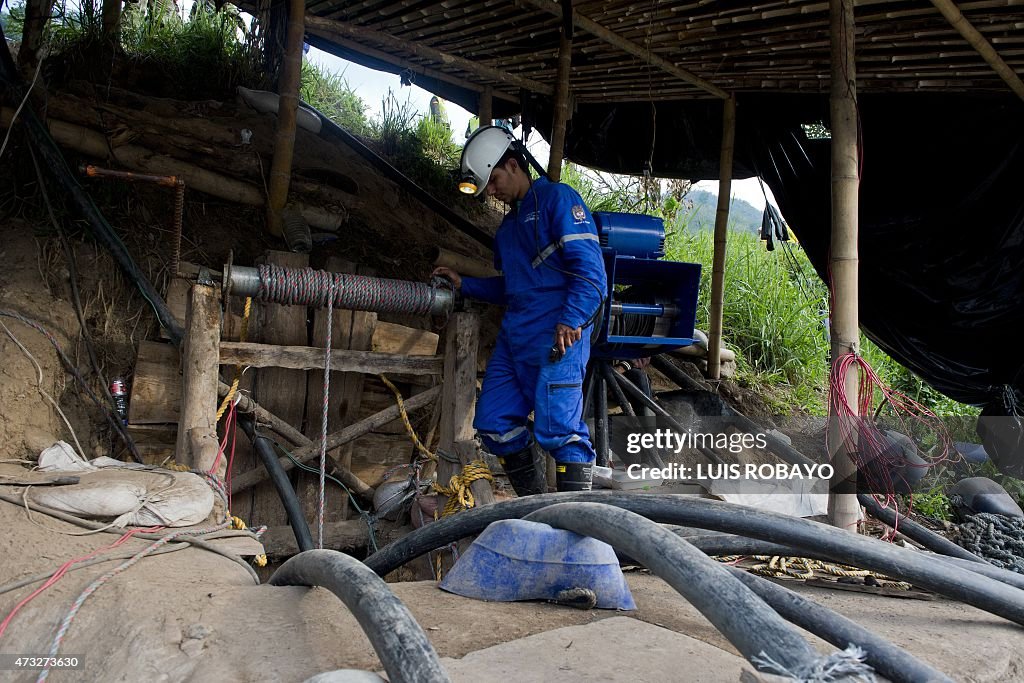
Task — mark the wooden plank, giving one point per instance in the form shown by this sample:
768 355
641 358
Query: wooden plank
458 395
155 443
279 541
408 341
309 358
281 391
156 385
375 454
197 426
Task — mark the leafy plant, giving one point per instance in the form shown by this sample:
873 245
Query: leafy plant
331 94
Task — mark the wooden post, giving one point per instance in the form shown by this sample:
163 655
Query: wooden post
721 238
467 452
843 509
458 392
112 23
37 13
288 103
197 424
485 106
561 112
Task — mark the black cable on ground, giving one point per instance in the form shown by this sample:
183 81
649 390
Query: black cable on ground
265 449
745 620
893 662
99 226
914 531
841 546
398 640
76 300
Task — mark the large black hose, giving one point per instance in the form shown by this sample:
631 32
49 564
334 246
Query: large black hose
747 622
265 449
914 531
401 645
839 545
891 661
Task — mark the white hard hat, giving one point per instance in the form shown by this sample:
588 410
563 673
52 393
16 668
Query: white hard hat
483 150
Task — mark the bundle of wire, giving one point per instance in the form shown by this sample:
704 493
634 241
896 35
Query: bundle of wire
868 446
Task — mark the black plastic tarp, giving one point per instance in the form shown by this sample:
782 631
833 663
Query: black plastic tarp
941 209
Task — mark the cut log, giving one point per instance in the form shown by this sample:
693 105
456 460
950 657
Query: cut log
197 426
279 541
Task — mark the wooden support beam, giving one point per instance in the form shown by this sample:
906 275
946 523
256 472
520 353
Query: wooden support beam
635 49
953 15
458 395
411 66
288 104
485 106
843 508
332 27
560 115
197 425
309 358
339 438
721 238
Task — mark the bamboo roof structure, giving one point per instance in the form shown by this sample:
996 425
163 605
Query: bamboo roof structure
656 50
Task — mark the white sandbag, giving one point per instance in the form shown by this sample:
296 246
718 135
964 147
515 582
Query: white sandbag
267 102
130 496
62 457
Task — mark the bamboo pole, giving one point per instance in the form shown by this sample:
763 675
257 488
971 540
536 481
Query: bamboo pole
333 27
635 49
721 238
485 107
561 112
288 92
112 21
953 15
843 509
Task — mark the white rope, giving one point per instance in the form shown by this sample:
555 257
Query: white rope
323 418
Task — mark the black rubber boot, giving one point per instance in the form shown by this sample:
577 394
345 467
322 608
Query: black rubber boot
523 474
574 476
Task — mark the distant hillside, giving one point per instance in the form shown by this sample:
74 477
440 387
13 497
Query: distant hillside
742 216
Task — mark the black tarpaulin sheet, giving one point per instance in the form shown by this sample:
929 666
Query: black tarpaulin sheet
941 209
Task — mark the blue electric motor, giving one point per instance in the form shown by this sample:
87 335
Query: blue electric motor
651 305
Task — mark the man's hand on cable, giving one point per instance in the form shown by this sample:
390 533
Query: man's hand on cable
442 271
566 336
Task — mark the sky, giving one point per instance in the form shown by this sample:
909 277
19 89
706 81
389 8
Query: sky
373 86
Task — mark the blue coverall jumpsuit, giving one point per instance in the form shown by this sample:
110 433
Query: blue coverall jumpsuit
553 272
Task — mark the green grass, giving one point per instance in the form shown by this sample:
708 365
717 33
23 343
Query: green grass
332 95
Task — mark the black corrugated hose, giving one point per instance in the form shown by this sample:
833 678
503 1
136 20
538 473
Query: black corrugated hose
265 449
835 544
401 645
754 628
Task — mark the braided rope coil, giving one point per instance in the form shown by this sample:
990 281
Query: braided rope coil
309 287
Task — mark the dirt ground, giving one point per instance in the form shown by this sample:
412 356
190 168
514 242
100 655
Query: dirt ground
197 616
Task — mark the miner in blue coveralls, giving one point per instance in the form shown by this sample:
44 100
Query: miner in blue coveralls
553 286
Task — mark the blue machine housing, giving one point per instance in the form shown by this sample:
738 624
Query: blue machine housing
651 305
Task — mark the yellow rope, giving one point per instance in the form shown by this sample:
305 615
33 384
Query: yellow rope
804 568
405 420
243 333
460 497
